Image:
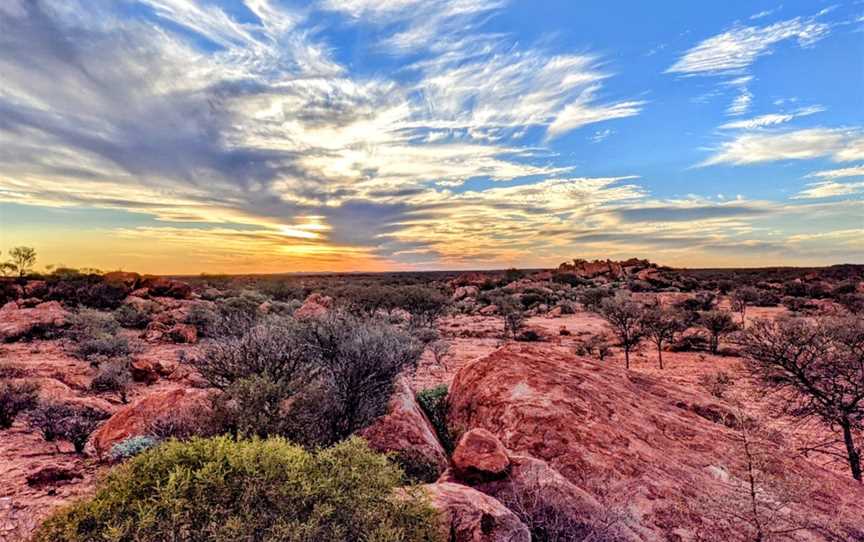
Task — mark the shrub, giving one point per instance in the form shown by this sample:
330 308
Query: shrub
593 297
219 489
358 362
102 295
66 422
433 402
95 336
131 447
113 377
205 319
193 421
134 317
717 384
16 398
423 303
336 374
717 324
599 345
529 336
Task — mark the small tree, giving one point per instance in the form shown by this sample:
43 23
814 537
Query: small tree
741 298
660 325
625 316
23 258
718 324
512 312
817 370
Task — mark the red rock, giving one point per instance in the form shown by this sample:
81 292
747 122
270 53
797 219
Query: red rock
599 425
133 420
122 278
36 288
165 287
480 456
182 333
556 312
52 475
465 291
470 516
489 310
315 306
154 332
405 429
143 371
18 323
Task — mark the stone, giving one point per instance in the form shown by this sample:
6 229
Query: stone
18 323
468 515
134 419
315 306
165 287
480 456
405 430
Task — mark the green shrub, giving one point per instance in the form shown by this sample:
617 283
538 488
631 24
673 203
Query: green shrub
131 447
16 398
433 401
134 317
219 489
113 377
95 335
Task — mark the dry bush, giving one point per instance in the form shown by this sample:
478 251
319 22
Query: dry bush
67 422
195 420
95 336
717 384
113 377
15 398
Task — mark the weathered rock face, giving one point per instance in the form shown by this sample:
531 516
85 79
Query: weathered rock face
406 430
133 419
601 426
480 456
471 516
18 323
128 280
463 292
315 306
165 287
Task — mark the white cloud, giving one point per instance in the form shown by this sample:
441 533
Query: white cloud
738 48
771 119
840 144
854 171
600 135
827 189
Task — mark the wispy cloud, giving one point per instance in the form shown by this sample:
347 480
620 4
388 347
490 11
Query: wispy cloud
840 144
739 47
771 119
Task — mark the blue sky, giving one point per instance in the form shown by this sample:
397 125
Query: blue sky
268 135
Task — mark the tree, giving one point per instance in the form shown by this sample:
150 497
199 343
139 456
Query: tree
816 369
625 317
511 311
742 297
23 258
660 325
717 324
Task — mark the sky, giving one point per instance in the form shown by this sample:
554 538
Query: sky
258 136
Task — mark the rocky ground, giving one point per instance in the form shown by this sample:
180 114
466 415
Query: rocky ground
644 454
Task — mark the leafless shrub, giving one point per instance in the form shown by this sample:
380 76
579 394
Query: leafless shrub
113 377
717 384
624 315
15 398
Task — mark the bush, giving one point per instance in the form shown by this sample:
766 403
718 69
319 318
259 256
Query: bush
433 402
423 303
593 297
134 317
66 422
529 336
131 447
336 374
219 489
193 421
205 319
113 377
96 336
717 384
16 398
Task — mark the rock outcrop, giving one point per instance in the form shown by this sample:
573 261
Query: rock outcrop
471 516
406 431
480 456
134 419
17 323
315 306
603 427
